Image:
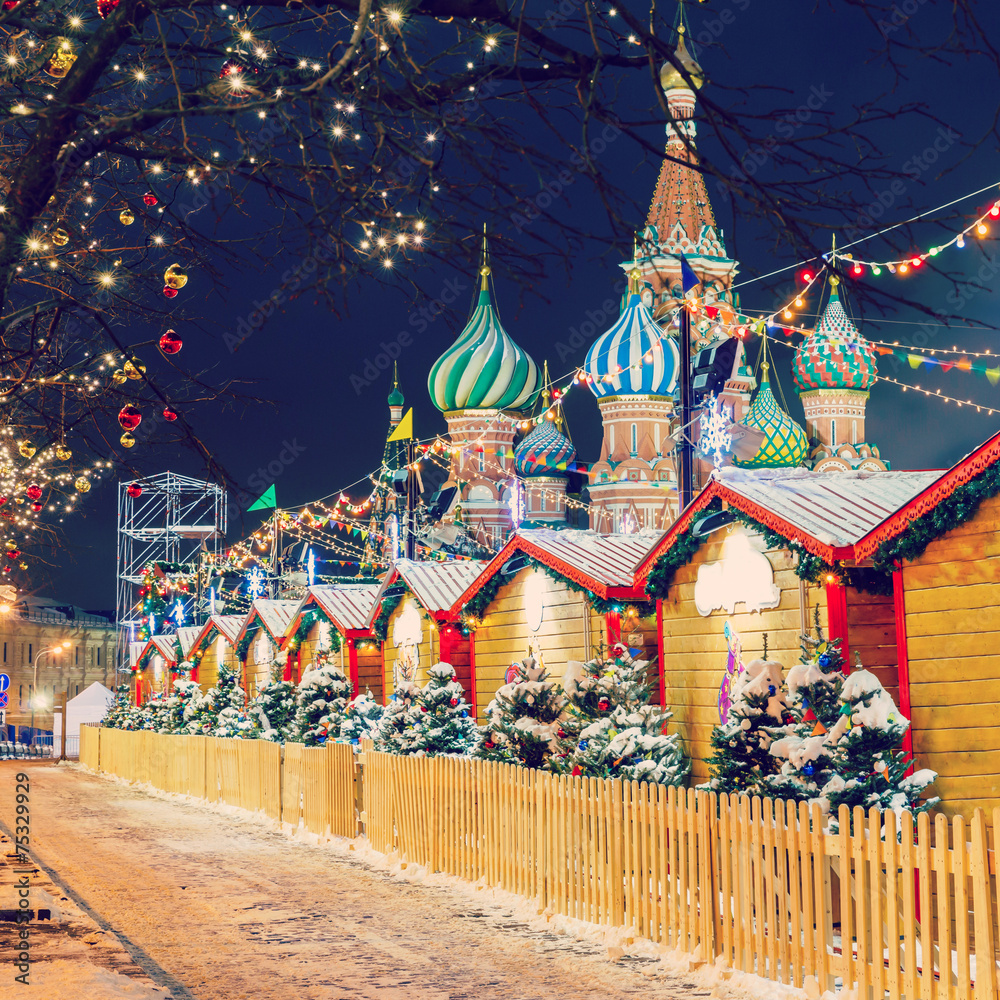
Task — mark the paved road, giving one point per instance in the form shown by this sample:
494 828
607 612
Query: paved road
230 909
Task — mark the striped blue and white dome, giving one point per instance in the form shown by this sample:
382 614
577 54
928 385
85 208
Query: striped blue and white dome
636 357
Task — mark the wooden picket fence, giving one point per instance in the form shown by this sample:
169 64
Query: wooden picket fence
904 909
311 787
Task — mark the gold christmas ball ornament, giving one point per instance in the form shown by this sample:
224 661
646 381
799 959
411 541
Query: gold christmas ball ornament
18 499
175 277
26 448
61 63
134 369
82 485
23 565
127 440
126 218
119 377
63 453
60 237
10 544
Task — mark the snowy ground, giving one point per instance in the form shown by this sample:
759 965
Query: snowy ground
229 906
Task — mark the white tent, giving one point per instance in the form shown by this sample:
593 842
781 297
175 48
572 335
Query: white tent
90 705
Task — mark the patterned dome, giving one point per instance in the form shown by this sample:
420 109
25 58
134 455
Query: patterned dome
784 445
484 369
611 359
544 451
834 355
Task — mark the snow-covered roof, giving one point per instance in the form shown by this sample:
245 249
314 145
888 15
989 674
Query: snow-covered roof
836 508
348 605
273 615
167 645
228 626
135 652
606 559
436 585
186 636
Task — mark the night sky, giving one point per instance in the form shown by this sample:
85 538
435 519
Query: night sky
327 424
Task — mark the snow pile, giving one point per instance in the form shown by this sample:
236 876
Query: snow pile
72 979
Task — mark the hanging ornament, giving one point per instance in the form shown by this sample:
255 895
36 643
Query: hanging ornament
119 377
169 414
127 440
3 500
63 453
175 277
36 507
170 293
27 449
129 417
105 7
134 369
59 237
170 343
33 492
10 4
82 485
13 554
133 491
18 500
149 199
23 565
125 217
10 545
61 62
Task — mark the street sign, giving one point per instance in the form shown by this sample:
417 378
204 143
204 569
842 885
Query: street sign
3 699
4 682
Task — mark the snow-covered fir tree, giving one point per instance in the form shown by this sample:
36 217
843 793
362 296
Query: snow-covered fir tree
814 686
361 718
523 719
444 724
175 716
235 724
609 729
273 708
869 768
120 711
320 703
397 729
758 714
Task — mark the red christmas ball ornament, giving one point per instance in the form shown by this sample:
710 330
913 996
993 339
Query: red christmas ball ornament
105 7
561 734
603 705
33 492
6 569
170 293
13 554
423 708
453 703
170 343
36 507
129 417
10 4
169 415
3 500
489 744
133 490
150 199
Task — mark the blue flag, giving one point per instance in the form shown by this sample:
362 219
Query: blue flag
688 277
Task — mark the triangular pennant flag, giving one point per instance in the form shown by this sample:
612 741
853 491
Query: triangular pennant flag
914 360
993 374
265 501
404 430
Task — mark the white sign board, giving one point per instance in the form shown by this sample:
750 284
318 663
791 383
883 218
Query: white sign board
742 576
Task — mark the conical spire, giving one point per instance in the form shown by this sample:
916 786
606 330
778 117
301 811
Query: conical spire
396 398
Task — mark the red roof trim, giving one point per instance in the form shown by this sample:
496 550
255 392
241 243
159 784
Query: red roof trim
678 527
965 471
255 613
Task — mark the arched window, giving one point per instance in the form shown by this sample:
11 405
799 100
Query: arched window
656 438
482 461
611 439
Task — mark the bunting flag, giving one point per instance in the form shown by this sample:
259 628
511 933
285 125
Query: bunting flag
405 429
266 501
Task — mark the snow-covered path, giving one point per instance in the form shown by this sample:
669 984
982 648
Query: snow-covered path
234 909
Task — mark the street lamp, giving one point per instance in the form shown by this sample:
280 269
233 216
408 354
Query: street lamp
34 685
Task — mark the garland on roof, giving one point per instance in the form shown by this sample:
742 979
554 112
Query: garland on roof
947 514
472 611
380 627
679 554
243 646
644 609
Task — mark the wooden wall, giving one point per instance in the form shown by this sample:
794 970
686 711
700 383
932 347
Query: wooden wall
370 670
309 647
208 668
427 649
694 646
569 631
871 632
952 600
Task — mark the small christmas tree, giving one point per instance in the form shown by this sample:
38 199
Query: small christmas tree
443 725
397 729
814 685
742 762
320 703
522 720
609 728
869 769
235 724
273 708
361 719
119 714
174 717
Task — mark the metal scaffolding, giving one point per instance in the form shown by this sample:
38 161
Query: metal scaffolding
174 519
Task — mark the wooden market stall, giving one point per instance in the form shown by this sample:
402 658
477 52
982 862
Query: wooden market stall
260 638
155 667
557 594
335 617
411 618
215 644
946 546
728 573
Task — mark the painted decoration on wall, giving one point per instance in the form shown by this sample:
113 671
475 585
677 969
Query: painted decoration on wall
263 650
220 649
407 634
513 674
734 667
534 601
324 636
157 663
742 576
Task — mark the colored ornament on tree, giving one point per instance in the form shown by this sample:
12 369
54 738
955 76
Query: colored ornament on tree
127 440
13 554
119 377
129 417
59 65
105 7
134 369
175 277
442 727
170 293
133 490
82 485
26 449
320 704
170 343
59 237
149 199
63 453
33 492
169 415
397 731
125 217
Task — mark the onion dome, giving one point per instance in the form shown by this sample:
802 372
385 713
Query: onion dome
636 357
784 445
544 451
396 397
671 78
835 355
484 369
